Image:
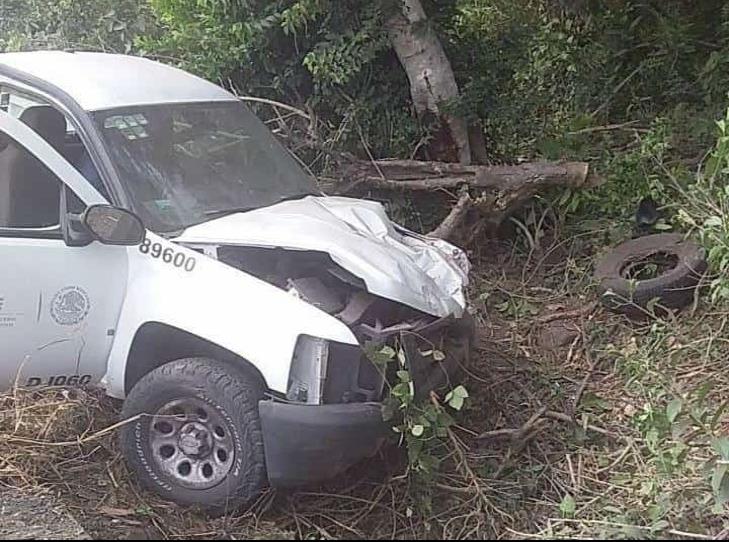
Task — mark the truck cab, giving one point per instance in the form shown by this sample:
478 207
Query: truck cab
158 242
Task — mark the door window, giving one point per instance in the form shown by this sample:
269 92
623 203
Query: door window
57 129
30 193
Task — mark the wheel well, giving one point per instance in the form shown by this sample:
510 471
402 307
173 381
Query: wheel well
156 344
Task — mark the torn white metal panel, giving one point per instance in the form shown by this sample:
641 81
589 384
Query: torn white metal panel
427 274
227 307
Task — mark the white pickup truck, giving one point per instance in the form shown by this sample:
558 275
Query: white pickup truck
158 242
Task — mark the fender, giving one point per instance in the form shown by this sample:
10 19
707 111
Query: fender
174 285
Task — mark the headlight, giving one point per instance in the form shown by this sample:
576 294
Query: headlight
308 370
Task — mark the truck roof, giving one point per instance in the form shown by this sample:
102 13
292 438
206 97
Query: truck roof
98 81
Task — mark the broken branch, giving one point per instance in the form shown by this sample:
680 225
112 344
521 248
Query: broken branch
455 217
561 416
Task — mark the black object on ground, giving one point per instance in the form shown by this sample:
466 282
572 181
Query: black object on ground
650 274
646 217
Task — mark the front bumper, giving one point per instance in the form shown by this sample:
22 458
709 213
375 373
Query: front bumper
310 443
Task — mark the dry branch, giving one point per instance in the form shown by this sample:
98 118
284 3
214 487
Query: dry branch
455 217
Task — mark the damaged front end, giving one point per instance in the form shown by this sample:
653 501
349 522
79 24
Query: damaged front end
333 373
433 349
330 417
390 287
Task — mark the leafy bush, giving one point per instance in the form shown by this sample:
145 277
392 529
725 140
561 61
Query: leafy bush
705 210
332 56
103 25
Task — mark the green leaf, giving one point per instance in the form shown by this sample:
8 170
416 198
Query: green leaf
415 448
388 351
721 446
720 484
712 166
457 397
713 222
718 476
404 376
444 419
379 355
460 391
651 438
568 506
401 390
550 148
715 253
456 403
673 409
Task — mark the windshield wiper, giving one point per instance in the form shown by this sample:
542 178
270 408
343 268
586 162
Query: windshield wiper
295 197
230 211
224 212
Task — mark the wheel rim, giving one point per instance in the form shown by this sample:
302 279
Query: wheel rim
192 443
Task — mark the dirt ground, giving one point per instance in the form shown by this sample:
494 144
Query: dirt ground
36 515
565 435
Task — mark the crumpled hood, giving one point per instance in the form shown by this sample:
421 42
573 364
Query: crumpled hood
427 274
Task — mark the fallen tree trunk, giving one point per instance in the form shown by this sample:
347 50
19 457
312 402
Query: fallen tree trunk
416 175
495 191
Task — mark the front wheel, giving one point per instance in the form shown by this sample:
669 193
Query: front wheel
197 439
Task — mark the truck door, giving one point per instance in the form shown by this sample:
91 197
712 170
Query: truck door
59 304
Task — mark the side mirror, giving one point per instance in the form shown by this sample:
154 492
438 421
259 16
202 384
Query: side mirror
113 226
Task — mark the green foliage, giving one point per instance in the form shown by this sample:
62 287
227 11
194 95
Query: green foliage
705 210
330 55
680 424
422 423
103 25
632 86
568 506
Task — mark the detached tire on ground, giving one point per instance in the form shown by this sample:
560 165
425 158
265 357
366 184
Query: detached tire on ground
626 286
198 441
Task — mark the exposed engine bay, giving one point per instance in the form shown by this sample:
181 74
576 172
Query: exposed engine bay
315 278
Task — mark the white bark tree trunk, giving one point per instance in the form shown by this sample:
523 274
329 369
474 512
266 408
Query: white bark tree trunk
432 81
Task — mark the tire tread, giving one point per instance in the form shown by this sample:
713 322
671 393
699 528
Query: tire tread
219 380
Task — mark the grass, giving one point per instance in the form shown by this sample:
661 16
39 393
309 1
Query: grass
655 390
581 424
